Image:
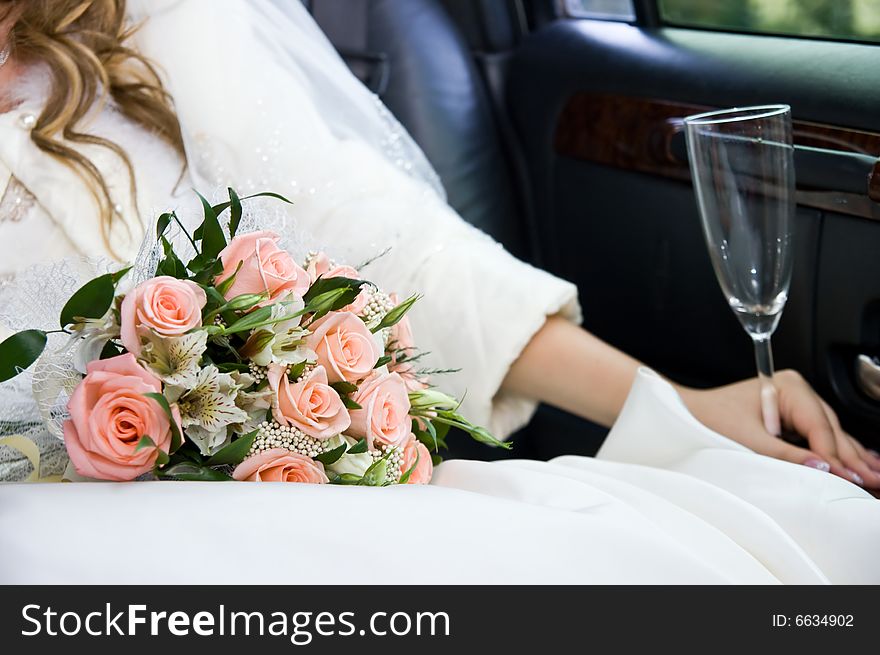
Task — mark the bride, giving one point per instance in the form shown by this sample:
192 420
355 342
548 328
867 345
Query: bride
93 145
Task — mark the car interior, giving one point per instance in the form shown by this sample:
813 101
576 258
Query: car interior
557 129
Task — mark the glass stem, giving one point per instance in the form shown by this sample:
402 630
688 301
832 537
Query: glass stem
769 399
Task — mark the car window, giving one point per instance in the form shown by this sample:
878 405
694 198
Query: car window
607 9
836 19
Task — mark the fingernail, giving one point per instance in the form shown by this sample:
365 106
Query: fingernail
818 464
855 477
874 453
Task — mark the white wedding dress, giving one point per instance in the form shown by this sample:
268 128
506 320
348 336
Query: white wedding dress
665 501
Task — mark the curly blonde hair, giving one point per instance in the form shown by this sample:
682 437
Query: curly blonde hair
83 45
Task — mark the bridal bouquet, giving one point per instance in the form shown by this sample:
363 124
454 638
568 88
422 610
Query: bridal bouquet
244 364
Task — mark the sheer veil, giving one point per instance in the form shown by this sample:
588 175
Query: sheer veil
232 66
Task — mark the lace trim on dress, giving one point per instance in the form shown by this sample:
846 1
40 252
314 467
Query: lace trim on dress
17 201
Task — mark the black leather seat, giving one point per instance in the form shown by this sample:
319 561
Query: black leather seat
412 54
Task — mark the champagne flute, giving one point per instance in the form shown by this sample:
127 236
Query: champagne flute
742 167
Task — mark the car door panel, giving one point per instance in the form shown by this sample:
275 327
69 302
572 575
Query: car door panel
624 226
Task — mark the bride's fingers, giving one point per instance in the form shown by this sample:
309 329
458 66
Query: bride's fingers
858 469
851 453
779 449
865 456
873 458
803 412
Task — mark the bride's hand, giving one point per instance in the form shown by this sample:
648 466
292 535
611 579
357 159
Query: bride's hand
735 412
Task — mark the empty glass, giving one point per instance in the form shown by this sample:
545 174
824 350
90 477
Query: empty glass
743 172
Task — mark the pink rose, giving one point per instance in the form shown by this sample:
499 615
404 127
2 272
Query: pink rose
310 405
109 414
344 346
319 266
280 465
413 451
383 415
164 305
402 346
264 268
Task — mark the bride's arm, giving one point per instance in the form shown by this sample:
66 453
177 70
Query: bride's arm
565 366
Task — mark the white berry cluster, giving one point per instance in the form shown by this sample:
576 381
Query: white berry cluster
307 371
258 373
378 305
309 257
272 434
395 460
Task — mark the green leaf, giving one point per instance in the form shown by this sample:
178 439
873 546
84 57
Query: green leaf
213 240
269 194
229 367
171 264
325 302
92 300
235 213
376 475
346 478
192 472
349 403
382 361
145 442
110 350
322 286
235 452
344 388
244 302
176 437
296 371
121 273
405 477
223 206
215 296
331 455
428 435
162 224
226 284
162 458
442 430
251 321
19 351
358 448
394 316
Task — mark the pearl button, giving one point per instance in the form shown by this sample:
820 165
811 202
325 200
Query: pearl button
28 121
118 209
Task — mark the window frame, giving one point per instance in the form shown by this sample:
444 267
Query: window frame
651 12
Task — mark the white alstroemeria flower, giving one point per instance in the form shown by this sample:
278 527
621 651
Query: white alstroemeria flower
254 403
90 338
354 464
282 342
175 360
209 407
209 442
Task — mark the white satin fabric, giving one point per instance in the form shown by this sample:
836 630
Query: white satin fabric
667 501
